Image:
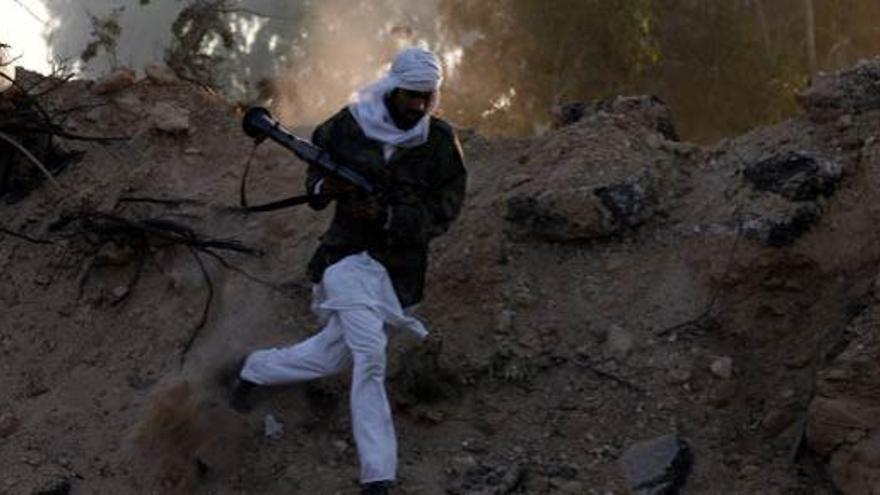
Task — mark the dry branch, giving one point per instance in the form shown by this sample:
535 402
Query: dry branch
24 237
31 158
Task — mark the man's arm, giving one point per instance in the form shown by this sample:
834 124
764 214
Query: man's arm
316 174
418 217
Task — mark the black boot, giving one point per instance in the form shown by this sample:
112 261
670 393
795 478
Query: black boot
375 488
239 394
240 389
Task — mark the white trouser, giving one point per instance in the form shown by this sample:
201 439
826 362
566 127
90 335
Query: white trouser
351 335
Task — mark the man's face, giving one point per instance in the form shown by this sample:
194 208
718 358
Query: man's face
407 107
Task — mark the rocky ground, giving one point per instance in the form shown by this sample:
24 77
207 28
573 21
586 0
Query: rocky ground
615 310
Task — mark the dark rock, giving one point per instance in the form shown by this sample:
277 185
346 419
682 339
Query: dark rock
842 428
9 424
796 176
580 214
783 234
840 93
424 377
629 203
558 216
117 81
568 113
785 228
647 108
563 470
657 467
56 487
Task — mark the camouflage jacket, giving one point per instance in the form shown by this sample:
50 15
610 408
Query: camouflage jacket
424 189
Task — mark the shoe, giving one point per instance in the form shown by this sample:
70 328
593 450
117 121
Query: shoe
240 390
239 395
375 488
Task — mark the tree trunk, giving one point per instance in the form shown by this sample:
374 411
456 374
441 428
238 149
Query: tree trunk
811 36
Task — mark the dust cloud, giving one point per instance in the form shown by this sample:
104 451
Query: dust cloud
346 46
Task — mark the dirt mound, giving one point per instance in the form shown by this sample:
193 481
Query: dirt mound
606 285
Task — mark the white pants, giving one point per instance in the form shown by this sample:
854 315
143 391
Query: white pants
354 335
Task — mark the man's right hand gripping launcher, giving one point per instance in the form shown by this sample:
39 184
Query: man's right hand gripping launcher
259 124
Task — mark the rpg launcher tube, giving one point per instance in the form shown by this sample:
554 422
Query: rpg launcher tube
259 124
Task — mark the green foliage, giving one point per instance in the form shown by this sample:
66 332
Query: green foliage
105 34
723 66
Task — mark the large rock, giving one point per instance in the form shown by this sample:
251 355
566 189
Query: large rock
843 426
833 95
796 176
170 118
580 214
784 195
780 225
659 466
115 82
160 74
648 109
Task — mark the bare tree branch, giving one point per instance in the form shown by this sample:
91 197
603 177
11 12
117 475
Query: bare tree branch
31 157
24 237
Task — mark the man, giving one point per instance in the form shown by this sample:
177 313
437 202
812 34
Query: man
372 260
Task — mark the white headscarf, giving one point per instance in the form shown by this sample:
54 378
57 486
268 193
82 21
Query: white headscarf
416 69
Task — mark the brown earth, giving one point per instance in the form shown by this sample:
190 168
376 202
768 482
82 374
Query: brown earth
589 298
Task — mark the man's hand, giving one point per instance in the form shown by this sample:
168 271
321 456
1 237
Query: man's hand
367 209
332 185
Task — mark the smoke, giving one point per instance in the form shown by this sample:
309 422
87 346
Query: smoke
344 46
185 435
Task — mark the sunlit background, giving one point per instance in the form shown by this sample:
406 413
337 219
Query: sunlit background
724 66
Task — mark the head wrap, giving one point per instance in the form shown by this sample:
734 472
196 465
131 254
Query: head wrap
415 69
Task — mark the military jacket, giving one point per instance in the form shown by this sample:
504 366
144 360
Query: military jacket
423 188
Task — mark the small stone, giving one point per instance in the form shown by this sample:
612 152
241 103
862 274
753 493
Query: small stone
659 465
619 341
117 81
722 367
341 446
32 459
272 428
130 103
776 421
111 254
54 487
748 471
42 279
679 371
573 487
120 291
505 321
170 118
463 464
473 446
836 375
722 395
192 151
159 73
433 417
515 180
8 424
93 115
565 486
